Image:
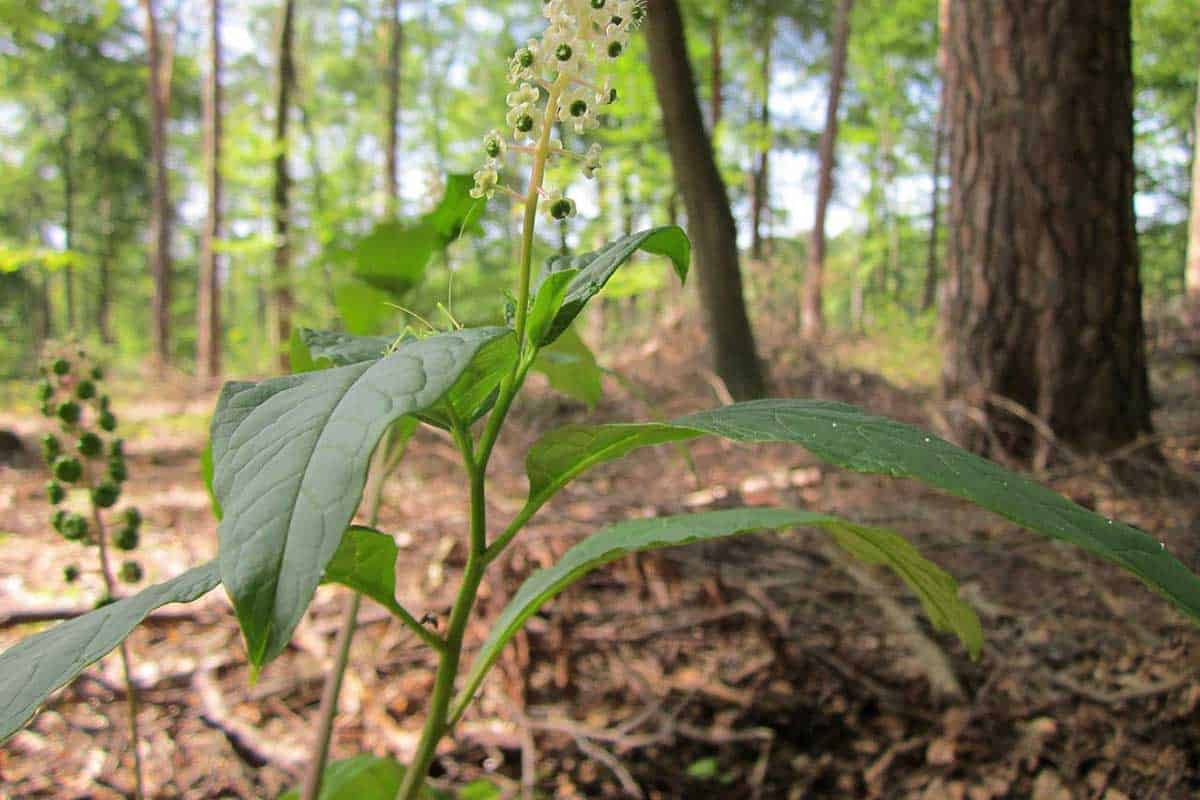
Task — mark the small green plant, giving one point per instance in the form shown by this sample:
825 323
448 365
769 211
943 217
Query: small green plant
70 393
290 459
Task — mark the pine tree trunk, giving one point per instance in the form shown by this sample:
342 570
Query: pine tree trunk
281 288
1192 277
160 199
812 320
929 292
710 222
208 333
392 145
1043 297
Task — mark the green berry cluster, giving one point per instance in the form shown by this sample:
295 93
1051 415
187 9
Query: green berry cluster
88 457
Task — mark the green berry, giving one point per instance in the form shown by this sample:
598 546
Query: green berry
85 390
104 401
525 57
116 470
89 444
106 600
97 374
45 391
597 4
524 123
133 518
106 494
67 469
58 520
70 573
69 411
50 447
578 108
563 52
131 572
638 13
61 366
116 447
561 209
75 527
55 493
107 421
614 49
126 539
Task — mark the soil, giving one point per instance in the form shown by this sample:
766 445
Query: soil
761 667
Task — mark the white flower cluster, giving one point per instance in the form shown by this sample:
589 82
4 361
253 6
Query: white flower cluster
556 82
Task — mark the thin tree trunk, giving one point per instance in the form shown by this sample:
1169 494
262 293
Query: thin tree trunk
929 293
68 182
706 201
160 202
281 288
104 262
812 319
1043 295
396 37
1192 278
761 172
208 334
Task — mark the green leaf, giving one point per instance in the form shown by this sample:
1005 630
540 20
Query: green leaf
206 472
571 367
313 350
936 589
457 210
393 256
290 458
474 392
365 561
363 309
546 302
594 269
34 667
850 438
361 777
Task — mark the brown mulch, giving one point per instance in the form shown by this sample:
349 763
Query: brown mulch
757 667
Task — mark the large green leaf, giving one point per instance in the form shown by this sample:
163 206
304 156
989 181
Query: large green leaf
394 255
290 457
312 350
851 438
361 777
363 309
595 268
34 667
571 368
474 392
937 590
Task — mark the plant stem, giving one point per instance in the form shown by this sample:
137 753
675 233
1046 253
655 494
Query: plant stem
476 461
131 697
333 681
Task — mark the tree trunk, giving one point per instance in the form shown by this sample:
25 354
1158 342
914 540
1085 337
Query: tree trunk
68 185
208 333
281 288
812 320
396 37
761 171
158 68
706 202
1043 297
929 292
1192 278
104 262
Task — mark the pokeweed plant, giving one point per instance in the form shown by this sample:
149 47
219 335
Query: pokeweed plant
289 457
91 459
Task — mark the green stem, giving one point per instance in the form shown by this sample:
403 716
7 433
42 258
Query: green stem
333 681
131 697
443 686
476 459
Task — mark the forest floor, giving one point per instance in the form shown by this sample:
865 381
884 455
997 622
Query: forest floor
763 667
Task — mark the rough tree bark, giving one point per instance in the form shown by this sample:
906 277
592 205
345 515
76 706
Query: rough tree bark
1043 302
159 86
1192 277
706 201
929 292
208 324
396 41
281 284
761 194
812 319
